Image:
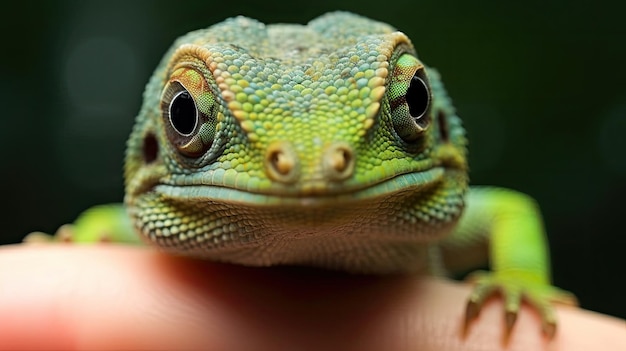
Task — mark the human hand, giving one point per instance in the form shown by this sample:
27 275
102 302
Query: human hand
120 297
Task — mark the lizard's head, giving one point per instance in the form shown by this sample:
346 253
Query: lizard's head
263 144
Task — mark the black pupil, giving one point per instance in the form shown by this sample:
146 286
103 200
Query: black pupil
417 97
183 113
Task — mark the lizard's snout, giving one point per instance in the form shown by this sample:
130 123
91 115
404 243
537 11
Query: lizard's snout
282 163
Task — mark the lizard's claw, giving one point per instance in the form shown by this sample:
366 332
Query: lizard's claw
516 287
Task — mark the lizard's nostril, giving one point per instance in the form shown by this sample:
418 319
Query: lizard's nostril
339 161
281 162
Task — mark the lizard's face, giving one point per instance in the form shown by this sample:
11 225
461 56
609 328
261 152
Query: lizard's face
266 149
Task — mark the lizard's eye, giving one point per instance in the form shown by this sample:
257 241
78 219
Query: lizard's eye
183 113
418 98
409 98
188 108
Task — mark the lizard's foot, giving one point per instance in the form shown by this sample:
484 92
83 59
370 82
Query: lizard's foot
515 287
65 233
98 224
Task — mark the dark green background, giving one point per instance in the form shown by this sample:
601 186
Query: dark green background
540 85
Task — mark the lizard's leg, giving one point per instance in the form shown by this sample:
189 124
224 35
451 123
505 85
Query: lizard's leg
102 223
506 224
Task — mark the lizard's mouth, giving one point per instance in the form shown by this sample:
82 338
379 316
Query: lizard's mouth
333 230
302 195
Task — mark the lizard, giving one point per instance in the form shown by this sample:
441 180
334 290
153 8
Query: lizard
330 145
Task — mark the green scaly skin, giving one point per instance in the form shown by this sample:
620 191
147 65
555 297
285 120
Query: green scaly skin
327 145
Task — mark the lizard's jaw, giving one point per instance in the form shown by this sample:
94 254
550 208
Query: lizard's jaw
391 221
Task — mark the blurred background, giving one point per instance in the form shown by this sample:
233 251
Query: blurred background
539 84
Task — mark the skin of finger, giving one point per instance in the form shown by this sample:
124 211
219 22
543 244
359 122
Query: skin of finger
114 297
